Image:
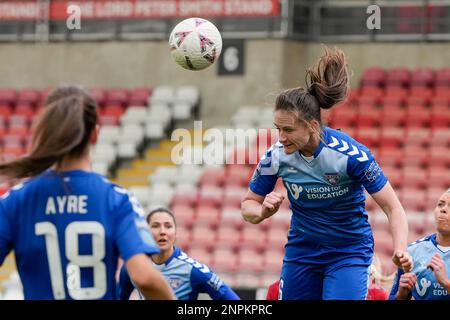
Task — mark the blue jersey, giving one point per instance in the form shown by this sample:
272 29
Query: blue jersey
187 278
426 287
67 230
326 193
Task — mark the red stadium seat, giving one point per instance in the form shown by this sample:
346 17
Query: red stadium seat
392 137
232 217
373 77
414 176
228 237
233 195
415 156
423 77
442 77
418 116
225 260
250 261
117 96
344 117
417 137
394 175
438 186
188 199
207 215
184 215
112 110
31 96
383 242
200 254
238 175
139 96
368 116
210 195
413 199
390 156
183 237
368 136
253 237
213 176
99 95
440 137
108 120
5 110
24 109
273 260
203 236
440 116
8 96
393 116
440 156
398 77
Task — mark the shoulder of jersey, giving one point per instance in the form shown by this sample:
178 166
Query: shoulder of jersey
17 187
194 263
344 144
421 240
134 202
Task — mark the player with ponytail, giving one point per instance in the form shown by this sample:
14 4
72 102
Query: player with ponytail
66 224
325 171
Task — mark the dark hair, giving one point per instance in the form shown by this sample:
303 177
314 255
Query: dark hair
327 83
62 129
151 213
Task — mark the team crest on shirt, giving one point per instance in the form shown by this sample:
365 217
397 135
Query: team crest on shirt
175 282
333 178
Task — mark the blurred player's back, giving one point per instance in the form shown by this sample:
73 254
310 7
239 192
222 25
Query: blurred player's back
68 229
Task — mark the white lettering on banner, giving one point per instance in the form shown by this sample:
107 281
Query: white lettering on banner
200 8
26 10
155 8
114 9
248 7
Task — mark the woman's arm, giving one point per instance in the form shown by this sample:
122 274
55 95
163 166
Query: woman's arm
398 224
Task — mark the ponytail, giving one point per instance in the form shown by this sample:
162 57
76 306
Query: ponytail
327 84
63 129
328 79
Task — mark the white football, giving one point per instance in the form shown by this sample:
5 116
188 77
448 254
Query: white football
195 43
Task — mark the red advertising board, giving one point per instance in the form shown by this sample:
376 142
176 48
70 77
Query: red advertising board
138 9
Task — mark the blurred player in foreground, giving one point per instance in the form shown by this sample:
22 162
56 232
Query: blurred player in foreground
67 224
186 276
330 242
430 278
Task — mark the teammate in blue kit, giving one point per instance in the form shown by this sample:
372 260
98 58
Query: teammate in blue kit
430 277
67 224
186 276
330 242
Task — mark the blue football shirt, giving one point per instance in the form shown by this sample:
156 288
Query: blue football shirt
326 193
68 230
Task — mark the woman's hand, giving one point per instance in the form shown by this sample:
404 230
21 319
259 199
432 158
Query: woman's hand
406 284
271 204
403 259
438 266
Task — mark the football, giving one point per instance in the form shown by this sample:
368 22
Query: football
195 43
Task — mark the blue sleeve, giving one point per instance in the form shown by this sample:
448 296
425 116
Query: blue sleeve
393 294
366 170
125 287
132 234
266 173
204 280
7 209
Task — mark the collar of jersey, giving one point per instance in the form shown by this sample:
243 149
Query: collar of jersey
315 154
176 253
75 172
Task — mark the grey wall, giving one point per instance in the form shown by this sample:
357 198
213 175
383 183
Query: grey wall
271 65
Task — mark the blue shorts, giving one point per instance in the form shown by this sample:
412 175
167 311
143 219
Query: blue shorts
312 271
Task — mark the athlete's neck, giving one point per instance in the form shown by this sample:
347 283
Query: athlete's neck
162 257
442 240
310 148
75 163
